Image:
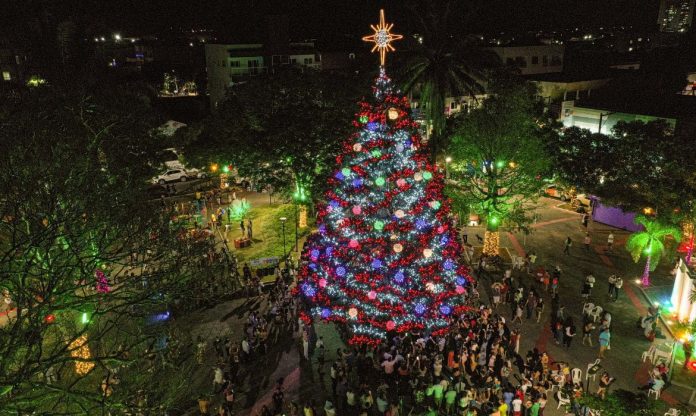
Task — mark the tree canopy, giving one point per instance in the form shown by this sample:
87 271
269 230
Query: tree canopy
639 165
498 156
280 129
73 212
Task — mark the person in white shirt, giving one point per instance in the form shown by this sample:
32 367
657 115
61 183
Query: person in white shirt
618 284
610 242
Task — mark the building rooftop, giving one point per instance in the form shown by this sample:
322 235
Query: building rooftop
666 106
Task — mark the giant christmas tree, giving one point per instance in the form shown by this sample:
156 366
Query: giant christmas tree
385 257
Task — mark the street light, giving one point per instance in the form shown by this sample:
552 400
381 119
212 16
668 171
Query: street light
448 160
282 221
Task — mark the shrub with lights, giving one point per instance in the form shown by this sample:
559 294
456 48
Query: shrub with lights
385 257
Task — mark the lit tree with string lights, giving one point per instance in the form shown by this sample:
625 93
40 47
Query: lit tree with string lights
385 257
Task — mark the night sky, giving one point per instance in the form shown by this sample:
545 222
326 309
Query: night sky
318 19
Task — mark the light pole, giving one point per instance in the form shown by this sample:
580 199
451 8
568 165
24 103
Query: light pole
282 221
448 160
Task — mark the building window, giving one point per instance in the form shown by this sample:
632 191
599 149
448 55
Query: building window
545 60
235 64
453 105
510 61
535 60
556 60
6 76
521 61
293 61
308 61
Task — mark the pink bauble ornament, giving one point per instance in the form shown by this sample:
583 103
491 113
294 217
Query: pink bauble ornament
440 229
400 182
390 325
353 243
357 210
322 282
459 289
372 295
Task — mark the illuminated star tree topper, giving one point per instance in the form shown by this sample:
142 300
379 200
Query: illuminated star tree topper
382 38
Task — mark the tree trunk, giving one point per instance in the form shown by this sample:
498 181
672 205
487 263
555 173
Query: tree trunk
645 281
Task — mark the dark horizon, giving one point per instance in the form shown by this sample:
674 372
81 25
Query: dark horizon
328 18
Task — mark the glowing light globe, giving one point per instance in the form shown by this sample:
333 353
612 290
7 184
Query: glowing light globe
434 204
372 295
353 244
419 309
378 225
445 309
322 282
427 175
448 264
376 263
340 271
345 171
399 277
357 147
400 182
391 325
376 153
398 248
399 148
399 213
459 289
417 176
380 181
427 253
392 113
325 313
357 210
430 286
353 313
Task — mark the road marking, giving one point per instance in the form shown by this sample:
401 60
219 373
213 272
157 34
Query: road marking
556 221
516 244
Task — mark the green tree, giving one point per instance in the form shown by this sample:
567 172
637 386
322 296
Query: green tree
73 211
441 65
651 243
280 129
639 165
621 403
498 159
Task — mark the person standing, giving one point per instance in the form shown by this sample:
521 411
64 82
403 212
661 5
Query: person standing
610 242
566 246
241 227
587 332
618 284
569 332
587 241
612 285
688 348
250 229
585 220
604 341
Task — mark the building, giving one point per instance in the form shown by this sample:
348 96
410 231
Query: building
227 63
555 89
13 64
676 15
534 59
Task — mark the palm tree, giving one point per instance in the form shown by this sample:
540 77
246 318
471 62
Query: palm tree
443 65
651 242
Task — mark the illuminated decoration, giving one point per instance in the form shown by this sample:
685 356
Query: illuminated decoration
35 81
491 243
214 167
684 287
102 283
240 208
80 351
392 114
386 258
382 38
302 222
650 242
357 147
49 319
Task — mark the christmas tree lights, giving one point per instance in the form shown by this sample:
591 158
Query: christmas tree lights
80 350
385 257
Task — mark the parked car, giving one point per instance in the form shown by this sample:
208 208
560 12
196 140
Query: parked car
556 191
178 175
583 200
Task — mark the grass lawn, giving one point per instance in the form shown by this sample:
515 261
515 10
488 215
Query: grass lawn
268 232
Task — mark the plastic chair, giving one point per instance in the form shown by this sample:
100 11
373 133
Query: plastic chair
672 412
655 392
590 372
587 308
659 354
595 312
562 398
576 375
649 354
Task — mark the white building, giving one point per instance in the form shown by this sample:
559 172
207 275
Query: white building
676 15
535 59
229 63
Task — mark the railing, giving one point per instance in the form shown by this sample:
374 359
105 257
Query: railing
258 70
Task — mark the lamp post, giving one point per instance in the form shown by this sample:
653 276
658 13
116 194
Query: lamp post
300 196
282 221
448 160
